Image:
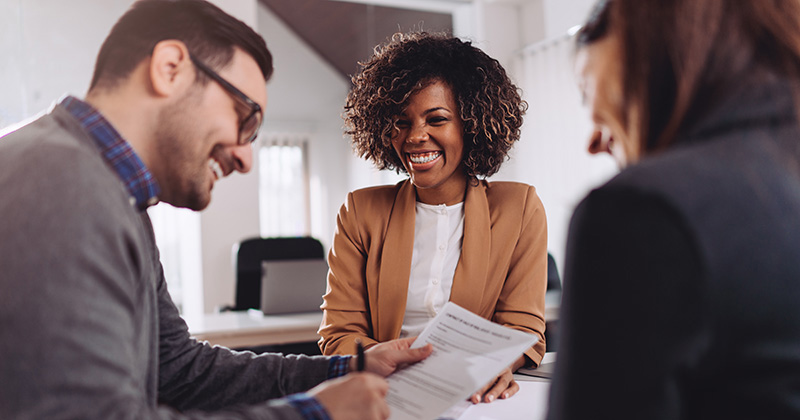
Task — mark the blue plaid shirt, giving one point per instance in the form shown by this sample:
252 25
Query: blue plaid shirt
144 190
309 407
117 152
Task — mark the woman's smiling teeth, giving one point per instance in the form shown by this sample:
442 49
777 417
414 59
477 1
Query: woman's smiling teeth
216 168
420 158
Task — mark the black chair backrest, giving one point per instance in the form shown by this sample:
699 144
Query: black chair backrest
248 263
553 279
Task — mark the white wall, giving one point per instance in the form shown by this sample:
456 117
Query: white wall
233 212
48 48
305 95
560 15
533 25
528 37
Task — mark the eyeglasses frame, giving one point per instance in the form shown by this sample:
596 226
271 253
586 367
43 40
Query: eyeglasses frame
254 107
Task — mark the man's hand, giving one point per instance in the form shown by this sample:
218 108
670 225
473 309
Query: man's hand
354 396
384 358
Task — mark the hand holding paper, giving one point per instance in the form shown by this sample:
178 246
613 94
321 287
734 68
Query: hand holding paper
384 358
361 394
468 351
503 386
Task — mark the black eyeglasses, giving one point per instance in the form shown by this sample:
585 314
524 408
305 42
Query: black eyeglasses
248 127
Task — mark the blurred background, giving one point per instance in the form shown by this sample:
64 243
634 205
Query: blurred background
304 165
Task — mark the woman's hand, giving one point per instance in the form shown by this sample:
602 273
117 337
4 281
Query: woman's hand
503 386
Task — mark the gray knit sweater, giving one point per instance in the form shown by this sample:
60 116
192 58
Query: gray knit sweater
87 327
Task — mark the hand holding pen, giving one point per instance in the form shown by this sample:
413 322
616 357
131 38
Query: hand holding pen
385 358
362 394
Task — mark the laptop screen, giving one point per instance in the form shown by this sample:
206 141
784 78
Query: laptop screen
293 286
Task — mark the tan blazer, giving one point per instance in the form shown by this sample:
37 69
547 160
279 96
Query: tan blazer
501 275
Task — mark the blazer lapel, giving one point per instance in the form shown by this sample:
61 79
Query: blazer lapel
471 271
396 265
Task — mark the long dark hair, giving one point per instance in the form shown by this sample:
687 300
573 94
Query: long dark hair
681 57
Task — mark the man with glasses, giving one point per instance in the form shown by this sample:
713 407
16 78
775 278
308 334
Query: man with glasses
87 327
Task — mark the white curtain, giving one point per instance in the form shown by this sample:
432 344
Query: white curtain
551 153
284 186
177 233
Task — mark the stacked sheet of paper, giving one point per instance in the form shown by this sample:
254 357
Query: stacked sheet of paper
468 352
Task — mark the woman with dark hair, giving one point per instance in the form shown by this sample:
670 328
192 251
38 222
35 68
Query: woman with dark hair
445 113
681 282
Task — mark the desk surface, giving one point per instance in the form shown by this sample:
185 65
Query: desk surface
530 403
239 329
250 328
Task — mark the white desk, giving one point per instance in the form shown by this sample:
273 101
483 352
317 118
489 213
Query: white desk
250 329
247 329
530 403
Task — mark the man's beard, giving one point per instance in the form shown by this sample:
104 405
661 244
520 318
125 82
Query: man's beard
181 172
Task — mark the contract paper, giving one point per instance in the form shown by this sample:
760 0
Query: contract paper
468 352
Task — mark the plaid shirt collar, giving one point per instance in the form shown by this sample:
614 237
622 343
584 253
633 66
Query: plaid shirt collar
117 153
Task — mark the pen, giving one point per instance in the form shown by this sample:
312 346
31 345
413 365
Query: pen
360 358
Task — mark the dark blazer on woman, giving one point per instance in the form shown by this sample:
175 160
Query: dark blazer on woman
682 276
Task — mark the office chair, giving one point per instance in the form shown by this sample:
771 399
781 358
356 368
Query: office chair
553 279
249 255
252 251
553 285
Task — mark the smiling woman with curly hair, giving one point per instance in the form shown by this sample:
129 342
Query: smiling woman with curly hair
489 105
445 113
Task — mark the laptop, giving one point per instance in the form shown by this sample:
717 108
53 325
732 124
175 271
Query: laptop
545 370
293 286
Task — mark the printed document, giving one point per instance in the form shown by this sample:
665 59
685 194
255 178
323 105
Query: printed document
468 352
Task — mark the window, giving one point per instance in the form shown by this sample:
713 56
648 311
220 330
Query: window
177 233
284 186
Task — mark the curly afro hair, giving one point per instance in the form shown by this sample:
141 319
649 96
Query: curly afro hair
489 103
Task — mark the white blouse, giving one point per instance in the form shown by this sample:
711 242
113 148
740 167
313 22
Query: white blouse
438 233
